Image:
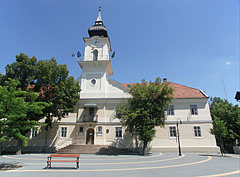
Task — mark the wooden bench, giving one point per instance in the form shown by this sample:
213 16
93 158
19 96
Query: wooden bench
49 159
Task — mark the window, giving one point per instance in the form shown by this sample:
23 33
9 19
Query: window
63 132
99 130
80 131
91 111
197 131
65 114
93 82
171 110
34 132
172 132
118 132
193 109
95 55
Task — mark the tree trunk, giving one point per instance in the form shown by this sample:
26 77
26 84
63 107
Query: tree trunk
136 143
19 147
222 147
145 150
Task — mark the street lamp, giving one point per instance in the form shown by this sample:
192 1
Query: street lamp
179 146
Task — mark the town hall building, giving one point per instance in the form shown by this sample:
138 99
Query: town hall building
94 122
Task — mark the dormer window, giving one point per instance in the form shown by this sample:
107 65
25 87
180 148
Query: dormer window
171 110
193 109
95 55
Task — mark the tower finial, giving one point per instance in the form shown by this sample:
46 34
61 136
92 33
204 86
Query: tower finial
98 29
99 18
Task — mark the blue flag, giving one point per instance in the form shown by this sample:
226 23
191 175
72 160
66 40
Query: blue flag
113 55
78 54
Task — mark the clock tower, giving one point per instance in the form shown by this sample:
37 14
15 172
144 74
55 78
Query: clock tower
96 65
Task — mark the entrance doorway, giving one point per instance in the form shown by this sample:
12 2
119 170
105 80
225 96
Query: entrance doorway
90 136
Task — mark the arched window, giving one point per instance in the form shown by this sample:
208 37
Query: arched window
95 55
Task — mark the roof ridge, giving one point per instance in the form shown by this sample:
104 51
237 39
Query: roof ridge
180 91
169 82
184 85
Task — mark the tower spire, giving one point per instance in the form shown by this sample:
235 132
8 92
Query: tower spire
99 18
98 29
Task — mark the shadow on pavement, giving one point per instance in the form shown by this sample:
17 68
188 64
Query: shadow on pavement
9 166
61 168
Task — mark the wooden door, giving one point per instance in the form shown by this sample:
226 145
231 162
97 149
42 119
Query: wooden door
90 136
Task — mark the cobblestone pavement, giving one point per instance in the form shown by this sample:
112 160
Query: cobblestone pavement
156 164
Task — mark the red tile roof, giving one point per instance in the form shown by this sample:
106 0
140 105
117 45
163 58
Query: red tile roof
180 91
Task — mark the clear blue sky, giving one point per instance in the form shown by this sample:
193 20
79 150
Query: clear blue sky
191 42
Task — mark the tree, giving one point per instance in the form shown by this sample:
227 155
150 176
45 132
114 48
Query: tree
57 88
15 105
220 131
50 80
52 83
229 115
145 109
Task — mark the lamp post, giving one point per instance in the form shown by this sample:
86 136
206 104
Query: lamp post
179 146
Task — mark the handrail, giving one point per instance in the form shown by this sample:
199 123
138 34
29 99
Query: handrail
90 118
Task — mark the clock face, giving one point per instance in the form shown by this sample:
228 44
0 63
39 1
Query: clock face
96 42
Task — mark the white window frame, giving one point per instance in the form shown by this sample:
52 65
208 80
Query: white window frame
117 132
66 114
34 132
93 85
194 109
199 130
63 132
171 110
170 130
99 133
81 133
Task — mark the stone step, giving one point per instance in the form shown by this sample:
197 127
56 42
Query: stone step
90 149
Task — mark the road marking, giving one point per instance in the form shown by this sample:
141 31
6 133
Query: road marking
115 158
223 174
93 156
21 158
117 163
121 169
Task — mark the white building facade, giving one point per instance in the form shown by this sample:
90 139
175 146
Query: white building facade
94 122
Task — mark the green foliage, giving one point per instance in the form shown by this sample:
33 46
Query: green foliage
145 109
22 70
226 115
1 79
219 128
15 105
50 80
56 88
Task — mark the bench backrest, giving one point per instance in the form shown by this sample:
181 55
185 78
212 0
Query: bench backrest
64 155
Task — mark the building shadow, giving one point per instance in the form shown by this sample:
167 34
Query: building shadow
127 145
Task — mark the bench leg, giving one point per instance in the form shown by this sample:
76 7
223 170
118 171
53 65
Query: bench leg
78 162
49 163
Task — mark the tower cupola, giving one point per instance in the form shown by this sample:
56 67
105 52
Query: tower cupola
98 29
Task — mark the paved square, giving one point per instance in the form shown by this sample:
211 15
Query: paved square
156 164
